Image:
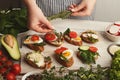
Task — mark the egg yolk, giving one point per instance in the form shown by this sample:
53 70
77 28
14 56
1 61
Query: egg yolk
67 53
78 38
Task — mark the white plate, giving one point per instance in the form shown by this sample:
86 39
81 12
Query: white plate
30 73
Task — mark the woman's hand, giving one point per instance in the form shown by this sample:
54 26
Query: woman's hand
36 19
85 8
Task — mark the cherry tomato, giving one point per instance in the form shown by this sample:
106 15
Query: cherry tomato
93 49
16 69
73 34
35 38
50 36
1 52
8 63
3 71
3 59
10 76
60 50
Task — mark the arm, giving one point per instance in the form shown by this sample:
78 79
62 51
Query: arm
36 19
85 8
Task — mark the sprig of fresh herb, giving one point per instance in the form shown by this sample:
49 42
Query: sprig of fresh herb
62 15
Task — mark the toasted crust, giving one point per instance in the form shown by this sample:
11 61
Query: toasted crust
68 63
86 39
55 44
31 63
35 47
73 42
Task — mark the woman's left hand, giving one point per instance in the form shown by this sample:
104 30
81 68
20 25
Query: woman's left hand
85 8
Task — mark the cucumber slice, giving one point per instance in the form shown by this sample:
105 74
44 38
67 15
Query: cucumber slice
84 47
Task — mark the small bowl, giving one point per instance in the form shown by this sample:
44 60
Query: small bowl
112 37
30 73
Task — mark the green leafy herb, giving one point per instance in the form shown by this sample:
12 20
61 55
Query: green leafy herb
62 15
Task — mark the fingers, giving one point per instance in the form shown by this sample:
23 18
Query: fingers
78 7
40 28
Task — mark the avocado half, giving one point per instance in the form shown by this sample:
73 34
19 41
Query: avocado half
13 51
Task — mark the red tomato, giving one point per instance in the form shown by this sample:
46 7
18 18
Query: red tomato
10 76
3 59
3 71
50 36
116 24
73 34
35 38
16 69
60 50
93 49
1 52
8 63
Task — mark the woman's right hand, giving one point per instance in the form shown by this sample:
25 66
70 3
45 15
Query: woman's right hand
36 19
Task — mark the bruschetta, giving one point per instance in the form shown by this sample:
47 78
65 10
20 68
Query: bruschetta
87 54
64 56
89 36
54 38
72 37
34 42
37 60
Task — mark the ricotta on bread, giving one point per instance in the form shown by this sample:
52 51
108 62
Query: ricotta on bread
37 60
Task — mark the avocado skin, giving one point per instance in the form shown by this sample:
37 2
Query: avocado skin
13 52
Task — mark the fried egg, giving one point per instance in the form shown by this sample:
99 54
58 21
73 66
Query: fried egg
29 41
67 54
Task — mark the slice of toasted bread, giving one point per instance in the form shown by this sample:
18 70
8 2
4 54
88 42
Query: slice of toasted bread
67 63
68 39
89 39
56 41
35 47
46 65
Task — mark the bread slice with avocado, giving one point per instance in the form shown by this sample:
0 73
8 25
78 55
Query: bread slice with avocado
34 42
37 60
72 37
10 43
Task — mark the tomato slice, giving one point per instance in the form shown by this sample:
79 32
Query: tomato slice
35 38
50 36
60 50
73 34
93 49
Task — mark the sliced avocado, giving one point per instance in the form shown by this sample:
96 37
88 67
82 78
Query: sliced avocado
11 45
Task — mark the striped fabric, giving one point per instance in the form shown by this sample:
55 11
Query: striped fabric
50 7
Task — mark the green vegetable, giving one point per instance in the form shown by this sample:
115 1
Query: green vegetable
86 55
114 73
62 15
84 47
14 21
13 50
